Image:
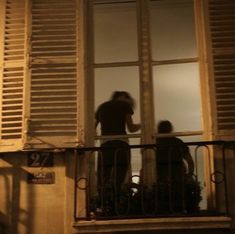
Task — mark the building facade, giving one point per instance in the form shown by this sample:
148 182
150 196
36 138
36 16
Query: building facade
56 61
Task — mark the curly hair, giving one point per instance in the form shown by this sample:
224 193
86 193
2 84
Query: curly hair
118 94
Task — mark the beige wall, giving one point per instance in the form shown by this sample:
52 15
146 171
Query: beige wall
35 208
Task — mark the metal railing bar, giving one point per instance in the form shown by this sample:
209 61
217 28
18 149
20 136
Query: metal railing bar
196 143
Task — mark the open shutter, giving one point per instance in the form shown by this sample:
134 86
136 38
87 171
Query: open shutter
54 74
222 30
41 74
13 74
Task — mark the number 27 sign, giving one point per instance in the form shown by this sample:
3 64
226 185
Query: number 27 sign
40 159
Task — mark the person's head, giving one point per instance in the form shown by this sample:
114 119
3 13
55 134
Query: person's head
123 96
164 126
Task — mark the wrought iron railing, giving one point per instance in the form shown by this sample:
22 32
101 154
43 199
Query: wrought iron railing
100 193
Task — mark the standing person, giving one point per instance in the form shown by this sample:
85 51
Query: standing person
173 163
114 117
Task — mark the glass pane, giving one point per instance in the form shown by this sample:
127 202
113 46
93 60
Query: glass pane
115 31
136 159
177 96
108 80
172 29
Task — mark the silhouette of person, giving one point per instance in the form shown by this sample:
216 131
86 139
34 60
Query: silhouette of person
114 117
173 162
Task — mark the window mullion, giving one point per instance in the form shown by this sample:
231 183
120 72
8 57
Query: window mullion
145 69
146 90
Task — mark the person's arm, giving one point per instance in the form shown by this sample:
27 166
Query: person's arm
97 118
132 127
96 123
189 161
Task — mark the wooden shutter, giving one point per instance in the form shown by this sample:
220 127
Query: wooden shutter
41 74
13 74
54 74
222 30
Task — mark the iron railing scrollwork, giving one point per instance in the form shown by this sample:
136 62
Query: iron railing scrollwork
183 195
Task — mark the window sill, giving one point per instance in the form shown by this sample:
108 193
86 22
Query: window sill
149 224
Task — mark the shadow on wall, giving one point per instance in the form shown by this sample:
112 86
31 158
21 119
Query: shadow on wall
12 176
2 223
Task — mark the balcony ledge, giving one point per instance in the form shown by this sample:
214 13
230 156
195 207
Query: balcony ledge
149 224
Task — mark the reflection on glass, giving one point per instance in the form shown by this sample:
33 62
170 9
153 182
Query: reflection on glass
177 96
115 31
108 80
172 29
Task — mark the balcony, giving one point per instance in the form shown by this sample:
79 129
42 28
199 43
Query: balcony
148 201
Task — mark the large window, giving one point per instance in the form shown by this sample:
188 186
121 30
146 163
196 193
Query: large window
119 36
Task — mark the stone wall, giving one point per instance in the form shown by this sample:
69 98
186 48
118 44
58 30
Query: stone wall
31 205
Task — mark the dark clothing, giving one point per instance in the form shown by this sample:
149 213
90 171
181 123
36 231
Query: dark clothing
113 162
171 171
171 150
112 117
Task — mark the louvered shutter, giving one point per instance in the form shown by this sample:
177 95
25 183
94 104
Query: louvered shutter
222 30
13 74
54 62
41 74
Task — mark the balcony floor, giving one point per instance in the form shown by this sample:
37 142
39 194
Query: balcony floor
150 224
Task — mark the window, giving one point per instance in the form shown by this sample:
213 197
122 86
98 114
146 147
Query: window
158 61
125 35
